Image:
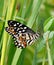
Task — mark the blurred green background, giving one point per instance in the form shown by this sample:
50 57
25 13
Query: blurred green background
37 15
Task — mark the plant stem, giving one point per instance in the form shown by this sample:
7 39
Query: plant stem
16 56
18 51
5 37
48 50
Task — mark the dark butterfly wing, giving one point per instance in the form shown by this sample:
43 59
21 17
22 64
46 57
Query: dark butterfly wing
19 27
22 34
13 23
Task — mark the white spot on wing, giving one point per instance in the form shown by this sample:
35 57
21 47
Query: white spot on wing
23 30
25 27
17 23
16 43
27 37
20 34
13 33
19 31
20 25
19 44
22 45
16 36
14 24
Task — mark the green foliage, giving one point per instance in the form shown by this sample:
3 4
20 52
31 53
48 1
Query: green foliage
36 14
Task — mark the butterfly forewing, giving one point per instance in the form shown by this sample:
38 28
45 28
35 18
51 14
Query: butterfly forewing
22 34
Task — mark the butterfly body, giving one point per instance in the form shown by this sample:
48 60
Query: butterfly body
23 35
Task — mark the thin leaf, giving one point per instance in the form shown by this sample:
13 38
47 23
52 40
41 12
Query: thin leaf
35 10
48 23
5 37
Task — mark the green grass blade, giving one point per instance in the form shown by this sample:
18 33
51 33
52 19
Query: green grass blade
24 9
4 8
36 7
43 63
22 57
28 10
35 57
16 56
2 19
5 37
48 23
48 51
14 62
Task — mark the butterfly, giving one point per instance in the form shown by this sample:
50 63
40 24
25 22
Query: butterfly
23 35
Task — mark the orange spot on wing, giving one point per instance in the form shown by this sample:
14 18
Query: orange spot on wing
24 43
20 38
11 29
